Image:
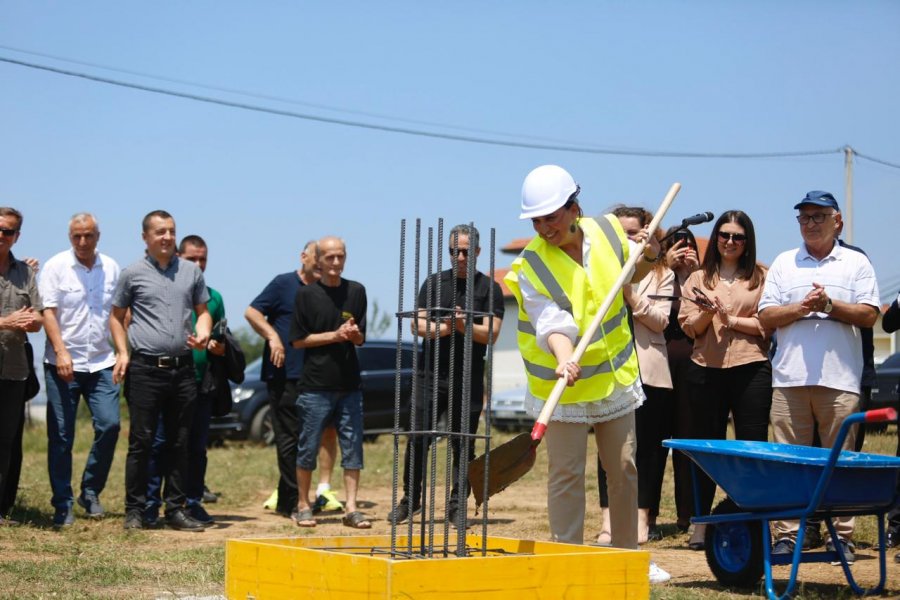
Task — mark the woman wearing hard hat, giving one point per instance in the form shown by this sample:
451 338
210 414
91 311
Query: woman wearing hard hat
559 281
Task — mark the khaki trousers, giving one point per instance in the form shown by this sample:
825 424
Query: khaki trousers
794 413
567 450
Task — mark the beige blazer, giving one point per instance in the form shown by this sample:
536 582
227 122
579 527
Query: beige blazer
650 320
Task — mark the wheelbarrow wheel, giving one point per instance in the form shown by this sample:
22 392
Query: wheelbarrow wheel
734 550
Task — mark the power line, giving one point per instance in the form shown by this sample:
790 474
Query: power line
423 133
877 160
282 99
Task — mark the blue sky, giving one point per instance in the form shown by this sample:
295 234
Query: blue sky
711 77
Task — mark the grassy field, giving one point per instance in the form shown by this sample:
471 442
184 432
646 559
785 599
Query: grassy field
98 559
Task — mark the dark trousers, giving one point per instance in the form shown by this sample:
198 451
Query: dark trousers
894 515
417 446
171 394
744 392
195 478
286 427
12 421
651 428
679 352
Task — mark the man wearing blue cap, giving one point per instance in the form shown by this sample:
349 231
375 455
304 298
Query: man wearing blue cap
817 297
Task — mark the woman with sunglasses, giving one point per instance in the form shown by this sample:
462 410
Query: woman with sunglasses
730 371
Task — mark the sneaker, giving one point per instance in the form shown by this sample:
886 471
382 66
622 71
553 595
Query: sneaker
209 497
63 517
272 502
133 520
848 549
812 537
453 517
327 502
401 513
892 537
179 520
91 505
198 513
151 516
658 575
783 546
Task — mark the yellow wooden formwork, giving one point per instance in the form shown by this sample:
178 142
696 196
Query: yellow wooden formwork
345 568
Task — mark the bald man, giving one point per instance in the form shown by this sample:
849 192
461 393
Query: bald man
329 321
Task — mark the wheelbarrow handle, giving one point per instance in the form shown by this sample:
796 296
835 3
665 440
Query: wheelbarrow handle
537 432
881 414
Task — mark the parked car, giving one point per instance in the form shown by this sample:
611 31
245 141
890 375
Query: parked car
508 410
250 418
885 392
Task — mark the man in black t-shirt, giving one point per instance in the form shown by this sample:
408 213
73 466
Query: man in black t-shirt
329 321
437 320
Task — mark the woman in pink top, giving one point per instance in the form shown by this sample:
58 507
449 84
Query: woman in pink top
648 319
730 371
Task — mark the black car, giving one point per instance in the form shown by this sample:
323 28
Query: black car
885 393
249 418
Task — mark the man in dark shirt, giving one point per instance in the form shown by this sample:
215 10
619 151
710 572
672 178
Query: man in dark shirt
890 322
161 290
270 316
329 321
453 287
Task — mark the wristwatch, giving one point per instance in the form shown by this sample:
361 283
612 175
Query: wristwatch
828 307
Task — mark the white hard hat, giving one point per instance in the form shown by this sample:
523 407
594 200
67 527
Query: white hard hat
545 189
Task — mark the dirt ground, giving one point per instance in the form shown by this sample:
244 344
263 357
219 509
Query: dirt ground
520 513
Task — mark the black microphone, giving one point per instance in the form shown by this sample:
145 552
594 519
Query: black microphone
697 219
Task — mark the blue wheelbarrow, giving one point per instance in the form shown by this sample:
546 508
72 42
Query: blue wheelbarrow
768 482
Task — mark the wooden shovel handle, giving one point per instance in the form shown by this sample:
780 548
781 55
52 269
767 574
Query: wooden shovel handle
543 419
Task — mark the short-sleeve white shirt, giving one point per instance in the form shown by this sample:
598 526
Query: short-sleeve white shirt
82 298
818 349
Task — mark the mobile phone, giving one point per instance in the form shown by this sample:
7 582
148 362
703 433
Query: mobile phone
697 301
682 235
702 298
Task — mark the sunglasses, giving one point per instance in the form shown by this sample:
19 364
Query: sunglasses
817 218
455 251
737 238
8 232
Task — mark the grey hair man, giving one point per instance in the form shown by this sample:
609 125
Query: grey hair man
817 297
77 285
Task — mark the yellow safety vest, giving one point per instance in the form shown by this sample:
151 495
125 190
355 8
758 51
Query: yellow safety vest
610 357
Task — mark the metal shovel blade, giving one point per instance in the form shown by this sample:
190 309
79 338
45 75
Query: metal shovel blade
508 462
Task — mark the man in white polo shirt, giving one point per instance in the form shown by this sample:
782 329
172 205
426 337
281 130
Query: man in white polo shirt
77 287
817 296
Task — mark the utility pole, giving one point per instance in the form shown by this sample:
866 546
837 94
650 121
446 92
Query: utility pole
848 194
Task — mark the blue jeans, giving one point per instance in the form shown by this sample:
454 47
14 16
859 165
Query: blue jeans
319 409
102 397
